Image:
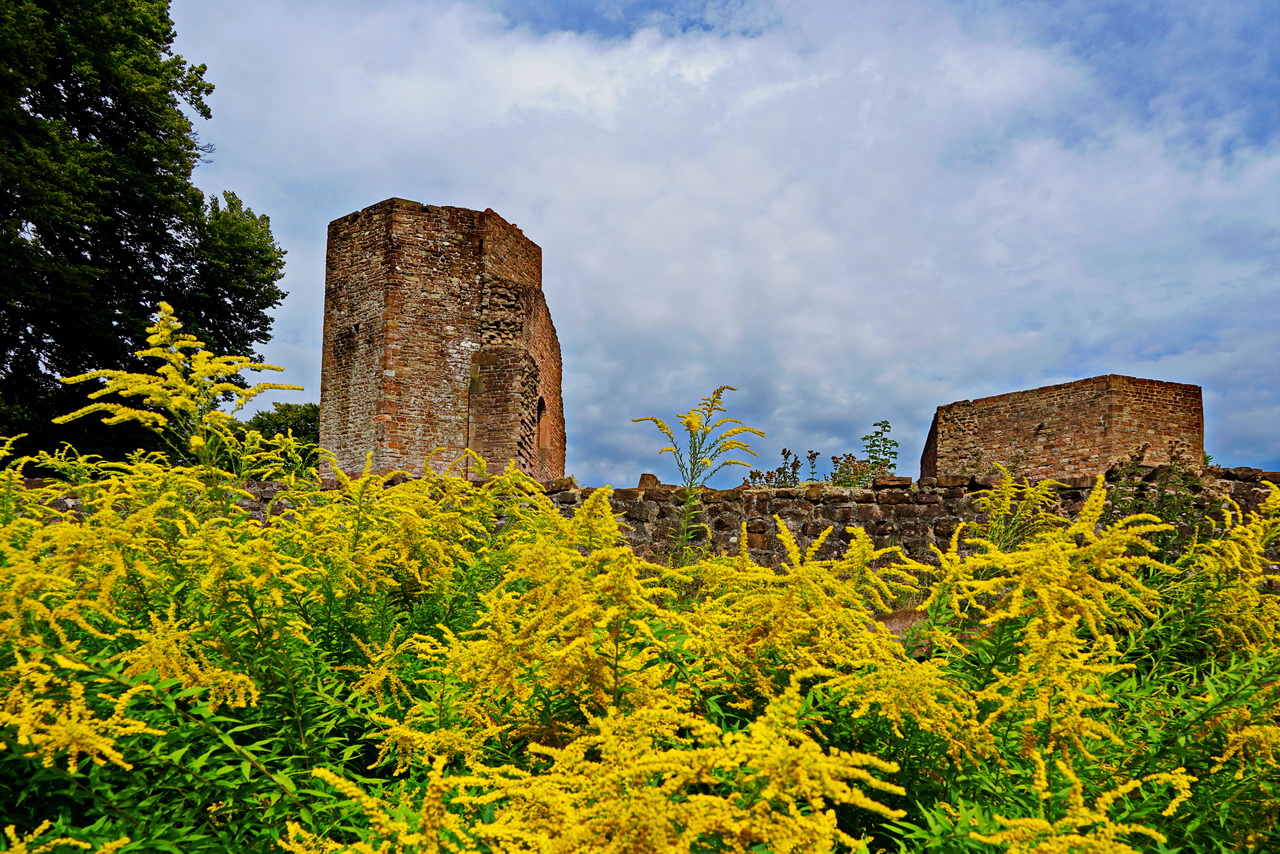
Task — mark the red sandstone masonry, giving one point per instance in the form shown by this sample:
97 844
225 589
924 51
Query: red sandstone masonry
437 335
914 515
895 511
1074 428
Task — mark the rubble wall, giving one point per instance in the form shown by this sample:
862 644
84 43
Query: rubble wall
894 511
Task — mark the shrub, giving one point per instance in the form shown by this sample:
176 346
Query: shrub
879 457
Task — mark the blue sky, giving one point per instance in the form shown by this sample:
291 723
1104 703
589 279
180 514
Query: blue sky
851 210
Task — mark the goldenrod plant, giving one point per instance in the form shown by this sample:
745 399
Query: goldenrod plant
182 401
1018 511
449 665
698 457
1178 492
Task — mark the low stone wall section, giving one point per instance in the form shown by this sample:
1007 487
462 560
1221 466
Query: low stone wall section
894 511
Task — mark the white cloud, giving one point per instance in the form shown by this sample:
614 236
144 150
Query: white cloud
862 212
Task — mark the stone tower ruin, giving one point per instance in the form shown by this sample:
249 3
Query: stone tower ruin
437 336
1075 428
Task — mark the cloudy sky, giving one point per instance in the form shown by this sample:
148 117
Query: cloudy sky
851 210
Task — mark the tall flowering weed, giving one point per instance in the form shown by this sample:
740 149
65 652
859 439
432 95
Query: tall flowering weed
652 780
449 664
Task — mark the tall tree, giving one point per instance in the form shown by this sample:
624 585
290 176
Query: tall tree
99 220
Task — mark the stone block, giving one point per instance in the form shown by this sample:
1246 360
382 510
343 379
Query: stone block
837 515
814 529
644 511
911 527
756 503
869 513
559 484
944 528
661 493
835 495
792 507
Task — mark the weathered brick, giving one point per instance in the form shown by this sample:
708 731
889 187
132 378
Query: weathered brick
1068 430
437 338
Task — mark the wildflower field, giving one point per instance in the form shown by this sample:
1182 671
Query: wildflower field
448 665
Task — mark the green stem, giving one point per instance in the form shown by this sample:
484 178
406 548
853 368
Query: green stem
104 801
284 667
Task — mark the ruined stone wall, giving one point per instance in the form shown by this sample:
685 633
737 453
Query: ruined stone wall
437 335
507 254
1074 428
358 268
517 412
548 433
503 405
913 515
895 511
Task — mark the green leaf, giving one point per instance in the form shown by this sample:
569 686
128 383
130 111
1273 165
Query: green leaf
284 782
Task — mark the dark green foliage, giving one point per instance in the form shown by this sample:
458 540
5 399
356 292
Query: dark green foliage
99 220
880 450
303 419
